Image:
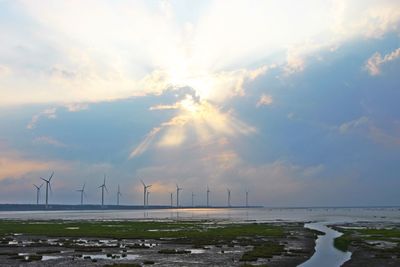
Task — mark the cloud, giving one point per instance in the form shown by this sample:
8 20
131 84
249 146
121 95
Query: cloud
366 126
354 124
48 140
206 120
94 55
49 113
75 107
4 71
374 63
164 107
14 165
369 18
264 100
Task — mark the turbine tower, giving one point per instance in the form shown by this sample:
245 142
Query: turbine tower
118 195
171 198
82 192
177 195
229 197
37 192
193 195
147 197
145 192
103 186
48 185
247 198
208 197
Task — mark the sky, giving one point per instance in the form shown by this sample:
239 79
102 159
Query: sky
296 102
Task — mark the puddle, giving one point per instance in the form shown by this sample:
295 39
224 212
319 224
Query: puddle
72 228
325 253
105 257
46 258
196 251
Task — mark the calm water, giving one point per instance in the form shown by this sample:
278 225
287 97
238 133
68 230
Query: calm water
258 214
325 253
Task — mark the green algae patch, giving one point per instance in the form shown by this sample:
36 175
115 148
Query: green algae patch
266 250
342 242
199 233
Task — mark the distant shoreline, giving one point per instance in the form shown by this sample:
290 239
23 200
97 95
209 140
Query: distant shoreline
63 207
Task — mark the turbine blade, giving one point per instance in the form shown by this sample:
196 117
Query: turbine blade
51 176
106 188
44 179
143 183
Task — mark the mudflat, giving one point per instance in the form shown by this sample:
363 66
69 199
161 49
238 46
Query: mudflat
161 242
372 244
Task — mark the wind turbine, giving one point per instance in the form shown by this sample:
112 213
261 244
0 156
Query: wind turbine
118 195
229 197
47 188
145 192
193 195
208 196
103 186
82 192
177 195
247 198
37 192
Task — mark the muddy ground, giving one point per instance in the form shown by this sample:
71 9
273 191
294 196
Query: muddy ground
19 249
372 244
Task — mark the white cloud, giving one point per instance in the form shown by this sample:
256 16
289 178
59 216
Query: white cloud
109 50
75 107
354 124
206 120
374 63
49 113
48 140
369 128
264 100
368 18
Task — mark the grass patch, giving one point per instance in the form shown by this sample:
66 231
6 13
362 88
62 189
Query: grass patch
342 242
266 250
198 233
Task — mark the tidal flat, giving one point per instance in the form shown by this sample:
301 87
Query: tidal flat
154 242
371 243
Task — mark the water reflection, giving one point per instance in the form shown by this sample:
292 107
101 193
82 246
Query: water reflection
234 214
325 253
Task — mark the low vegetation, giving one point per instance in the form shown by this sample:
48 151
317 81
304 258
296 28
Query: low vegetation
266 250
197 233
